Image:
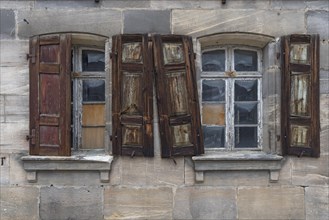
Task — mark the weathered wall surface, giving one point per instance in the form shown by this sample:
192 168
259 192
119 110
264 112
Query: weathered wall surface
143 188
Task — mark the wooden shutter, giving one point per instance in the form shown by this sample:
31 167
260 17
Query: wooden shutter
300 95
177 96
132 95
50 98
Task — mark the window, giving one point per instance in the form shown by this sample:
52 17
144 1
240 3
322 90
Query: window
88 98
231 82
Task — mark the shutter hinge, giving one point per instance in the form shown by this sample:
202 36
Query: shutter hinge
30 56
31 137
113 54
194 56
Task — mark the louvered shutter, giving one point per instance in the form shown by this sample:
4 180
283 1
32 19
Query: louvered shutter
300 95
132 92
50 98
177 96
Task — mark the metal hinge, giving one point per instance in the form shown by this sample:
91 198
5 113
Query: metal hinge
113 54
31 137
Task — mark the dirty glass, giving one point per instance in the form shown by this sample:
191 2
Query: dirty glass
131 98
300 136
300 90
181 135
245 137
132 135
93 90
132 52
245 60
245 90
214 136
213 61
213 90
93 60
177 91
245 113
173 53
300 53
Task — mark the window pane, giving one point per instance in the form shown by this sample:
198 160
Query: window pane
93 60
300 89
213 114
213 61
93 90
132 52
245 60
299 53
214 137
245 113
173 53
213 90
245 137
300 136
245 90
181 135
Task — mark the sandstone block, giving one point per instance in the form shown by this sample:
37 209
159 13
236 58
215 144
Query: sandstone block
7 23
69 5
205 203
126 4
71 203
316 21
18 203
13 136
144 21
17 108
317 202
271 203
138 203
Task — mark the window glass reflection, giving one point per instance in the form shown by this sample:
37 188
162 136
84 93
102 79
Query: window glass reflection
93 90
245 137
93 60
213 61
245 60
214 137
213 90
245 90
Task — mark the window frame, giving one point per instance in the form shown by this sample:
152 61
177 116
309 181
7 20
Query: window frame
77 77
229 96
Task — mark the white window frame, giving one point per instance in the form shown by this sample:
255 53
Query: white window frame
229 96
77 93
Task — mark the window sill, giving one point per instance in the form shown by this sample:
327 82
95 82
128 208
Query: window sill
237 161
101 163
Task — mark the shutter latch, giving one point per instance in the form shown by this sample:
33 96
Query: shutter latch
30 56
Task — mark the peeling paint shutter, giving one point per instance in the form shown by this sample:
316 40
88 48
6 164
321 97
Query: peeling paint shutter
177 97
132 95
300 95
50 95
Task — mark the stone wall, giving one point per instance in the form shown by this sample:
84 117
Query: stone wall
156 188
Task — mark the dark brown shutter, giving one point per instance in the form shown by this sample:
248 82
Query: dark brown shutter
50 98
177 96
132 95
300 95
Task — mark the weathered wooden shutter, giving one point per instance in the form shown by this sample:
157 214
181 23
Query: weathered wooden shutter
300 95
177 96
132 95
50 98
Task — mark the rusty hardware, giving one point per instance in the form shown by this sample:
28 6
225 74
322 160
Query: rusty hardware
76 74
31 137
2 161
223 2
113 54
301 153
230 73
173 159
132 154
111 137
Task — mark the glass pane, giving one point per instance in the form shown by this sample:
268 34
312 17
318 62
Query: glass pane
300 136
92 138
173 53
177 92
213 90
245 60
300 53
245 113
245 90
181 135
245 137
132 97
93 90
213 114
132 52
132 135
214 137
93 114
93 60
300 90
213 61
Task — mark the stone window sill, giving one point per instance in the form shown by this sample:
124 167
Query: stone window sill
101 163
237 161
